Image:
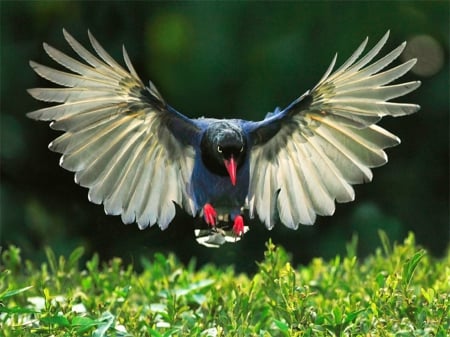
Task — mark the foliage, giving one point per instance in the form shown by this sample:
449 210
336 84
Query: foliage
397 291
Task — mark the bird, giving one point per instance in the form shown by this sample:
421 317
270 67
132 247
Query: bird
141 158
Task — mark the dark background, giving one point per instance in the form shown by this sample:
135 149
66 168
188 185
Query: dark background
225 60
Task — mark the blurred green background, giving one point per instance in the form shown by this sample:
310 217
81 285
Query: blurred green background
220 59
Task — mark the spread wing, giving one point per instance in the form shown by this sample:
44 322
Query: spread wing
123 141
308 155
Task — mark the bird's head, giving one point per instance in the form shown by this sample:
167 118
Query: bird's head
224 148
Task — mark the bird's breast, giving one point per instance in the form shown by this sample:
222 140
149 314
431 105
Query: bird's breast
208 187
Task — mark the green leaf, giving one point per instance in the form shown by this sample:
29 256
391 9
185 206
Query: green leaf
352 246
17 310
350 317
385 242
194 287
56 320
51 258
281 325
337 314
75 257
82 323
410 266
10 293
170 332
155 333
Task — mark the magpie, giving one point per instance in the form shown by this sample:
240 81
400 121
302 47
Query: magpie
139 157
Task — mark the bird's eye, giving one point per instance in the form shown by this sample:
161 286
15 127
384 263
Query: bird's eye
219 149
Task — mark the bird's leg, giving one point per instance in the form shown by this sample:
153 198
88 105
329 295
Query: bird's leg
238 225
210 214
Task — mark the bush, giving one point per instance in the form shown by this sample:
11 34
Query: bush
397 291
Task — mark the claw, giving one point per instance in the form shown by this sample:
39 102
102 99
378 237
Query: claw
238 225
210 215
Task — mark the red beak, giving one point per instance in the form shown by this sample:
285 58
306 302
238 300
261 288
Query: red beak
231 167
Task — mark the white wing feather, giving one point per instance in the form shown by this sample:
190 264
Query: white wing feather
335 142
114 139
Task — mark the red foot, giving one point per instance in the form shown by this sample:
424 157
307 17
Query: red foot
238 226
210 215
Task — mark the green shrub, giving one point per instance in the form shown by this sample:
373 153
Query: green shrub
397 291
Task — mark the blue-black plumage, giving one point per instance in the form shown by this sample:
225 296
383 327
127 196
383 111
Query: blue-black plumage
139 157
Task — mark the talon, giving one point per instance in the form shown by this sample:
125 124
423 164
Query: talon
238 225
210 215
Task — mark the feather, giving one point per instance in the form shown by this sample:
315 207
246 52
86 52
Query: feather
370 55
120 145
76 66
327 139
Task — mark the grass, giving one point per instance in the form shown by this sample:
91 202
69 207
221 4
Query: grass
397 291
